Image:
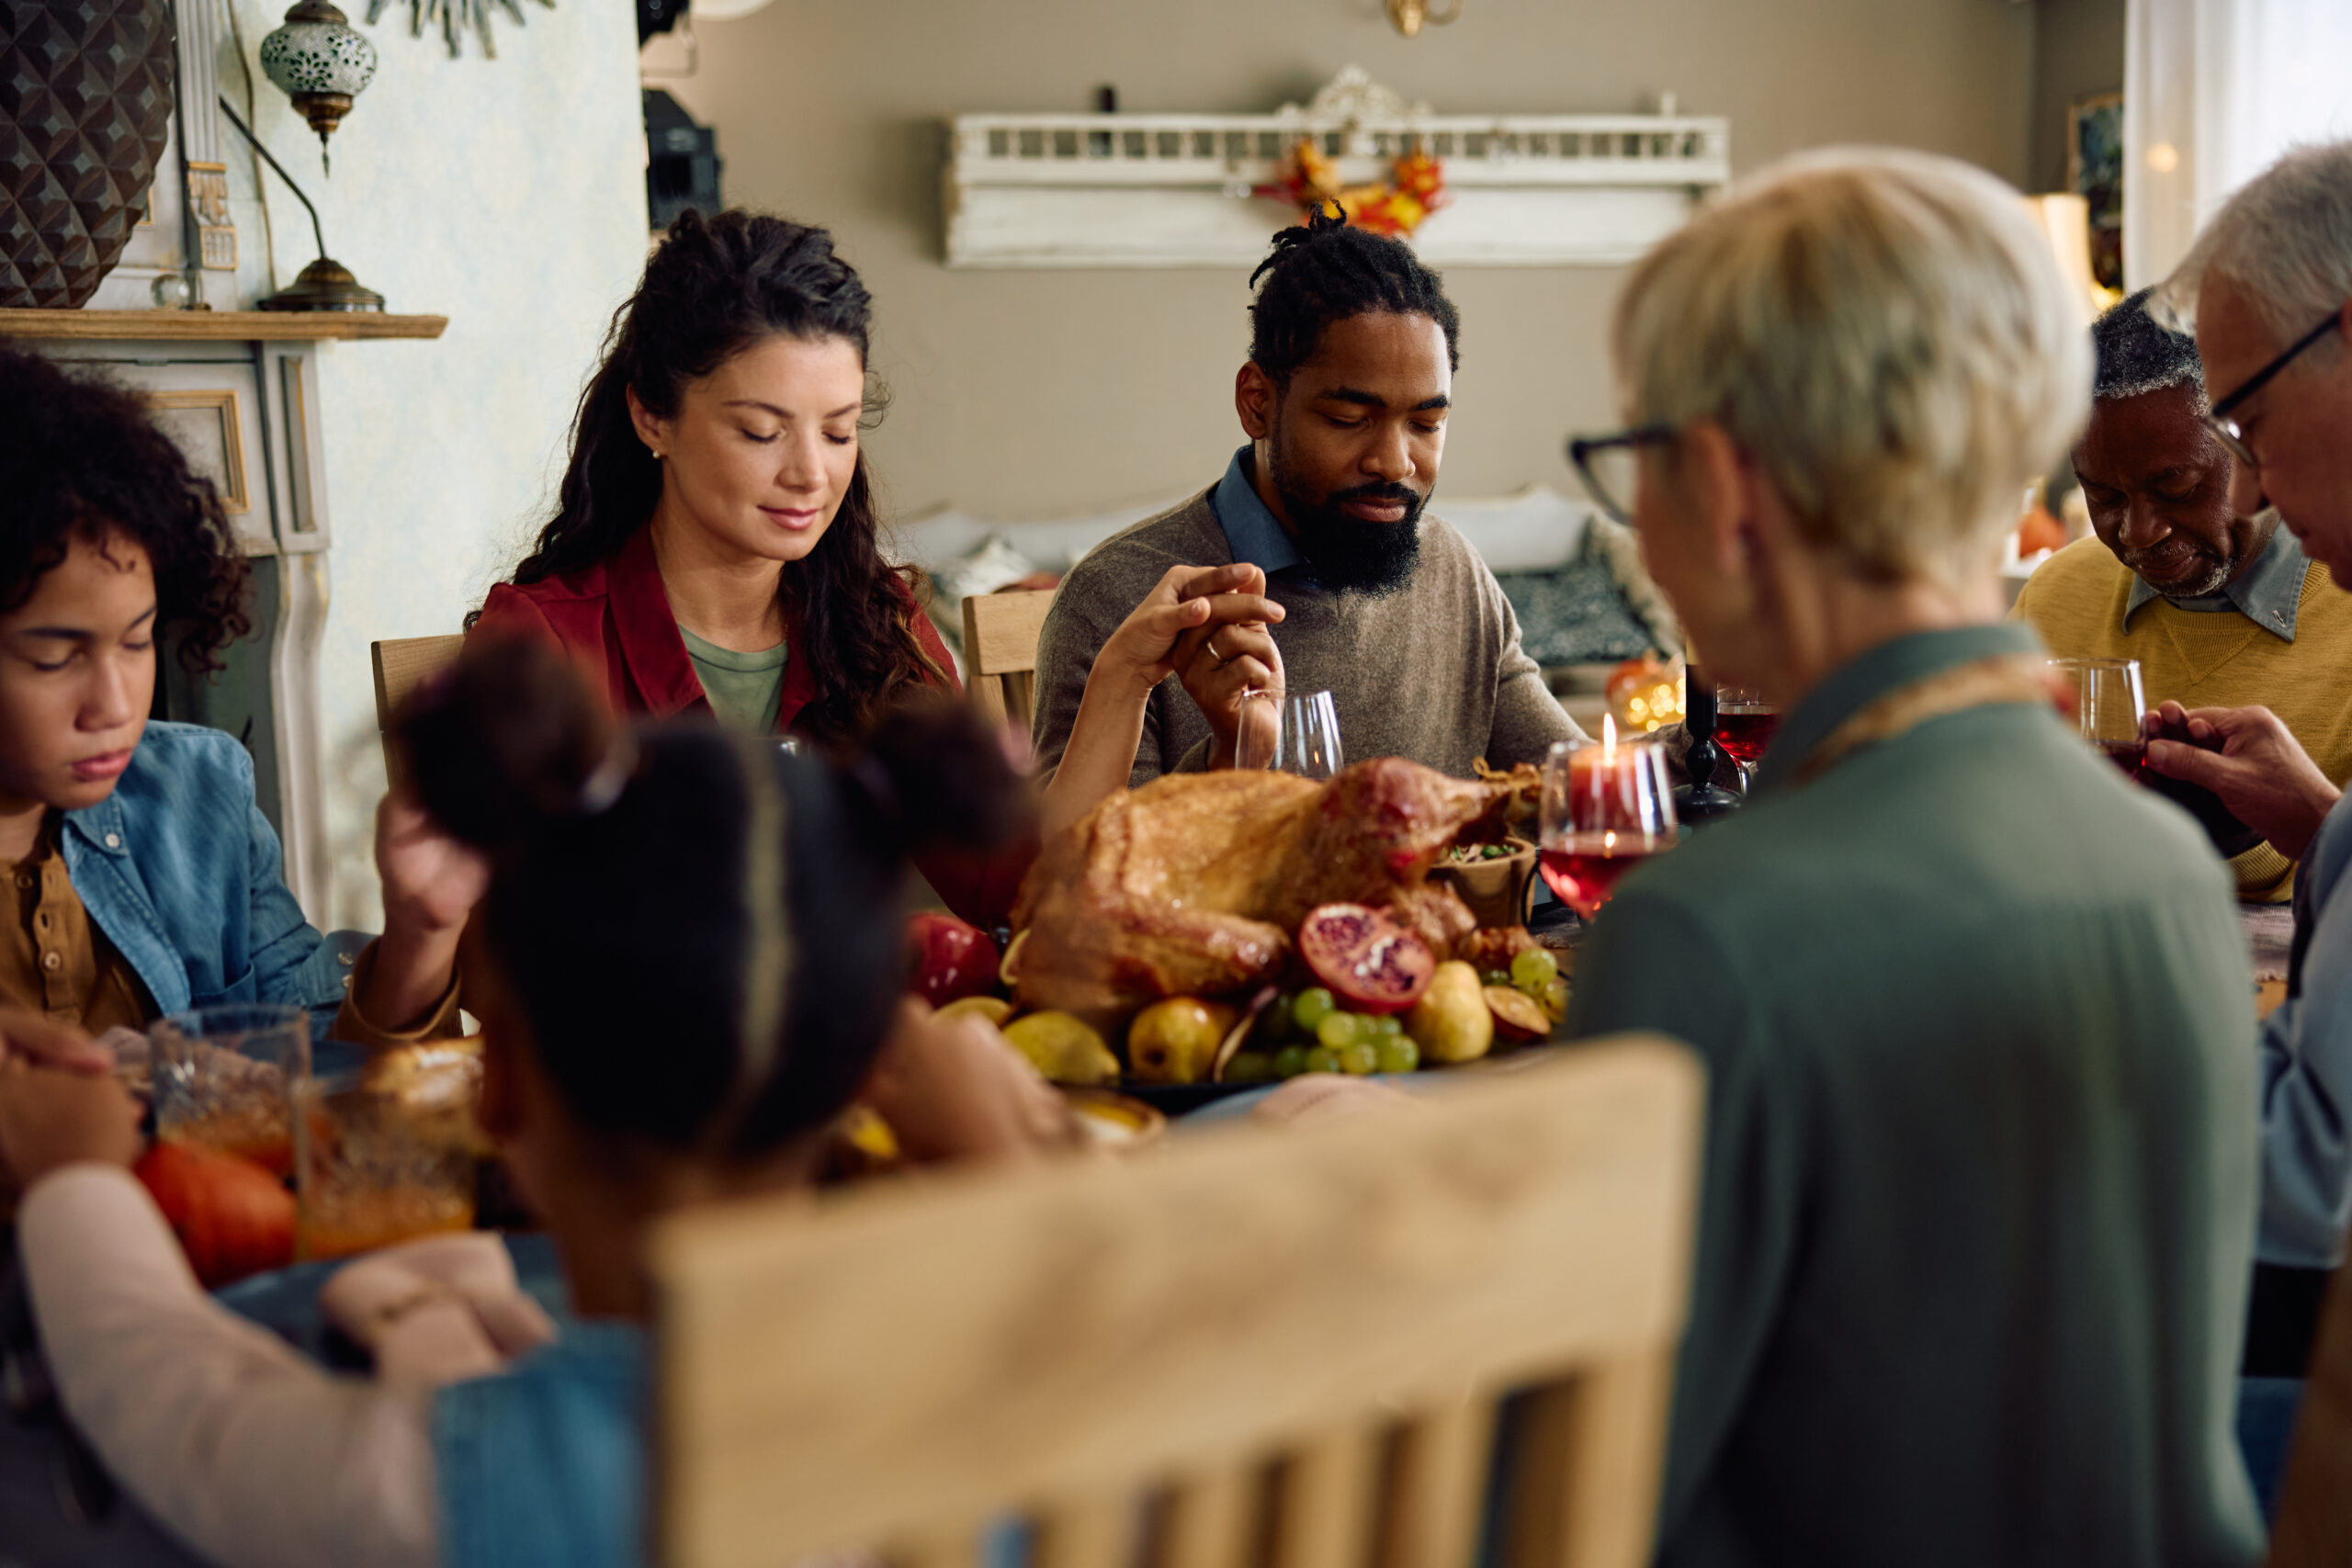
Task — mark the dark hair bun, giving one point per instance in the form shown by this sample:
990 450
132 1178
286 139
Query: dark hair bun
934 775
508 743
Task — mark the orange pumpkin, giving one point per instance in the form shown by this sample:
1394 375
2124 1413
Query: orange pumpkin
231 1216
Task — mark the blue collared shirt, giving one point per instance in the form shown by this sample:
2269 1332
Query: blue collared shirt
2267 594
1250 528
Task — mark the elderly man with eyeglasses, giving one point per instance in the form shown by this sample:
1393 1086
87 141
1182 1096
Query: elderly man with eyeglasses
2268 287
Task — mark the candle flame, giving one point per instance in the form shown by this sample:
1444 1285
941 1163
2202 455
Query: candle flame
1609 841
1608 734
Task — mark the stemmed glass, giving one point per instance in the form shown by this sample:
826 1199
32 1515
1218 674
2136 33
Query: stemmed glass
1305 740
1310 738
1607 806
1745 723
2108 704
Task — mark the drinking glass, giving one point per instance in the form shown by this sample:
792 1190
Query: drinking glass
380 1158
1258 740
221 1077
2108 704
1745 722
1310 738
1607 806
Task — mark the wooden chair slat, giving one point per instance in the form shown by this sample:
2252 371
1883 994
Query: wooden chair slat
1434 1496
402 664
1071 1330
1323 1496
1210 1521
1096 1533
1001 632
1591 1448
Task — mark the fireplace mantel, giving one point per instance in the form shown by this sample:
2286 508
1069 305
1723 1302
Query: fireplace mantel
216 326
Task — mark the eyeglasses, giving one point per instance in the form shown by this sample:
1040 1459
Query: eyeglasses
1608 465
2219 421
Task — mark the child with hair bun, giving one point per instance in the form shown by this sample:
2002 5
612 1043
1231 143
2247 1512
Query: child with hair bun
687 965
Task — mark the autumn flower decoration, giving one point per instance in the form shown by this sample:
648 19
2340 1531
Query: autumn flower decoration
1311 181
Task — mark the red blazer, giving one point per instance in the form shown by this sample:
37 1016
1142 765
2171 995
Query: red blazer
614 621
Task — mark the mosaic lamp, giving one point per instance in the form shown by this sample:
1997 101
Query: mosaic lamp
322 62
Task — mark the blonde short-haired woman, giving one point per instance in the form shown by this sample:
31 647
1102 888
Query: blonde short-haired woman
1978 1196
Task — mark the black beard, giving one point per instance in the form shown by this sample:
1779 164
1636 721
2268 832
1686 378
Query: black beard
1348 554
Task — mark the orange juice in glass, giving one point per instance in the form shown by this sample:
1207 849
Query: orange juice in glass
221 1078
378 1163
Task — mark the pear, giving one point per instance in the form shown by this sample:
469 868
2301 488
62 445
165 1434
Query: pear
1176 1041
1451 1021
1063 1048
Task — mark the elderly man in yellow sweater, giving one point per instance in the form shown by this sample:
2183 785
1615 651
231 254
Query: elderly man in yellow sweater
2220 611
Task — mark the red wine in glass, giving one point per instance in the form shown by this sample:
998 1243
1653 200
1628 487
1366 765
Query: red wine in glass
1745 733
1584 868
2131 756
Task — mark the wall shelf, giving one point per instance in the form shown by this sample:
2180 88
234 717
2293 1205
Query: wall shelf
216 326
1068 190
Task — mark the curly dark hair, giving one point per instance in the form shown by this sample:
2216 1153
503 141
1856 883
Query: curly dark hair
717 287
81 456
1327 270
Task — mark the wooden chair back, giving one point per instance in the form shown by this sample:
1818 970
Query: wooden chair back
1001 652
2314 1523
1256 1344
402 664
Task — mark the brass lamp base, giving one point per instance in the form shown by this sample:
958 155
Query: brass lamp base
324 284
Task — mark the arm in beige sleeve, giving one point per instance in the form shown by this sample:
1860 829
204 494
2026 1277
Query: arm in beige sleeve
226 1435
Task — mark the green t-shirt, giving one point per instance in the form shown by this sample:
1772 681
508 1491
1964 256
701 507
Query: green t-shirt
743 688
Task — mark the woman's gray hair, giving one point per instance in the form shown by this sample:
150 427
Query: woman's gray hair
1886 333
2284 241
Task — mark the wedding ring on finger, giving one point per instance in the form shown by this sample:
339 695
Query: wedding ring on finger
1211 645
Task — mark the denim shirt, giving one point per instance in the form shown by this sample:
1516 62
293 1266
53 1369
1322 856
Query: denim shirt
181 871
2307 1068
543 1465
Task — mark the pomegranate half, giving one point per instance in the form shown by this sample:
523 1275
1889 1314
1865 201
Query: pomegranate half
1368 961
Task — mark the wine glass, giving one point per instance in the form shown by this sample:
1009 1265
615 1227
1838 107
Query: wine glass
1745 721
1607 806
1257 740
1310 738
2108 704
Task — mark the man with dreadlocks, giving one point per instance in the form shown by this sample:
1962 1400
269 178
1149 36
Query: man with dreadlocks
2221 610
1354 591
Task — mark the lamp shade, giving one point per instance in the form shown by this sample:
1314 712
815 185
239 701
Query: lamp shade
318 50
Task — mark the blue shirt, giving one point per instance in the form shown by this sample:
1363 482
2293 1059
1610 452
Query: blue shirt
2307 1068
182 872
2267 594
1255 535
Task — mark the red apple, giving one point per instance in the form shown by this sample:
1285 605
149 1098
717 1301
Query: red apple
948 959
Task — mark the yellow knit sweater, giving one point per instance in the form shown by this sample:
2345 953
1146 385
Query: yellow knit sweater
2204 659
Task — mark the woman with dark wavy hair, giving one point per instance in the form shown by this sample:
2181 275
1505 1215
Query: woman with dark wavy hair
147 881
716 543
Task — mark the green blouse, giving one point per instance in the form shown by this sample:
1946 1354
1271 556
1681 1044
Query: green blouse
743 688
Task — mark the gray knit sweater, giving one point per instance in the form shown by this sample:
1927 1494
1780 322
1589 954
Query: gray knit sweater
1433 671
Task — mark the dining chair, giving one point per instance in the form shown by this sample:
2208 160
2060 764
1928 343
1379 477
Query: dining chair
1001 652
1258 1343
402 664
2314 1523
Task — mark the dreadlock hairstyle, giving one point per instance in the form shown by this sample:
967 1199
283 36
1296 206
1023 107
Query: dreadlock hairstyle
715 287
702 930
1327 270
81 456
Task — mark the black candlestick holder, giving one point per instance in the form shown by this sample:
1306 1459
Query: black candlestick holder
1702 800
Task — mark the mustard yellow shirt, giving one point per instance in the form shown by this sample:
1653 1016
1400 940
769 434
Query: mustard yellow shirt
2088 604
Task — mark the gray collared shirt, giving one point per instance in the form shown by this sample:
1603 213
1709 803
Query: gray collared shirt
1250 528
2267 595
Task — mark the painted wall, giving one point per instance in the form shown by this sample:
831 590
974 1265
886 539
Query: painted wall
2078 50
507 195
1025 394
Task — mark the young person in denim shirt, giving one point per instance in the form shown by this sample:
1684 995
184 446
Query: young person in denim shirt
146 879
687 965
